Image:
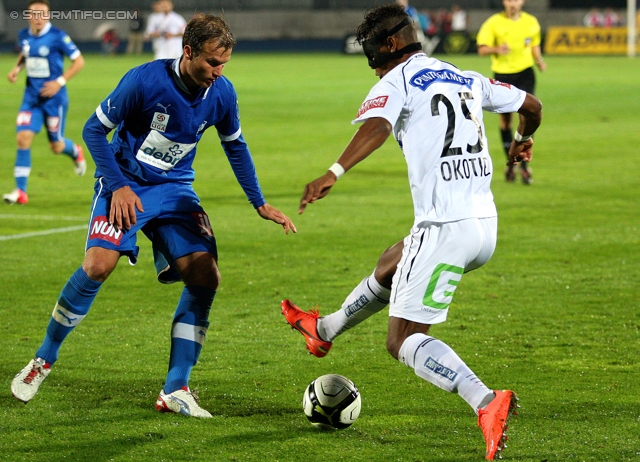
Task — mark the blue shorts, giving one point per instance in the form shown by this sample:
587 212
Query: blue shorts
35 111
173 220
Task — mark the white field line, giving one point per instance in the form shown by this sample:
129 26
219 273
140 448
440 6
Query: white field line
43 233
41 217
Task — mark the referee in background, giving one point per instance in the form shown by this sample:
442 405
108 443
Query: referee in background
512 38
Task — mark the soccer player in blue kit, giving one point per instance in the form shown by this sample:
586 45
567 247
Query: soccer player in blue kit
45 98
159 111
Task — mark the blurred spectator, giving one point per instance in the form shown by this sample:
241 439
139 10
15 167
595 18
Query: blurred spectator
458 19
136 34
429 25
152 31
593 18
610 18
110 42
425 21
165 28
418 21
410 10
443 21
173 25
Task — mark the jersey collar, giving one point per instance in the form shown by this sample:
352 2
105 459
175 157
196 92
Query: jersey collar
44 30
176 77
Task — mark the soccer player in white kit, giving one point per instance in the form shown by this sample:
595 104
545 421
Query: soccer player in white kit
435 112
166 28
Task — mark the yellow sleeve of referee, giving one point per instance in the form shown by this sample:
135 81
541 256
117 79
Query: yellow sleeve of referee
520 36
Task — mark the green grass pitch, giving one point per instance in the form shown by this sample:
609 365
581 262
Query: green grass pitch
554 315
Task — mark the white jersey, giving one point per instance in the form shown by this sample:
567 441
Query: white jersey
172 23
435 110
153 25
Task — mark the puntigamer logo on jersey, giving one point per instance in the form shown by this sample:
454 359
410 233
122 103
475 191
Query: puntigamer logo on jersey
161 152
373 103
426 77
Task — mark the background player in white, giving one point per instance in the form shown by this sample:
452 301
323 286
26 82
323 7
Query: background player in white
159 111
166 28
45 97
152 31
435 112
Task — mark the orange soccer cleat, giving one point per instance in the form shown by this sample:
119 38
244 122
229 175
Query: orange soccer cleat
305 323
493 420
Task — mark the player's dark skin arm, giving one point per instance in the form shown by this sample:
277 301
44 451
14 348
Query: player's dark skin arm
530 114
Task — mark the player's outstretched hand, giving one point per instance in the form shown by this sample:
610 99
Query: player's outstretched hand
519 152
269 212
124 203
12 76
317 189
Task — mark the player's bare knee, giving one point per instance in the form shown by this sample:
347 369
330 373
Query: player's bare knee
201 271
24 139
387 264
97 270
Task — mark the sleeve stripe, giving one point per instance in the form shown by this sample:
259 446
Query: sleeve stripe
103 118
233 137
75 55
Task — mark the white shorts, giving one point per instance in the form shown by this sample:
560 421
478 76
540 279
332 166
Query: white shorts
434 257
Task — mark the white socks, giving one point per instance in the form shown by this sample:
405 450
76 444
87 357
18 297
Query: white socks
436 362
366 299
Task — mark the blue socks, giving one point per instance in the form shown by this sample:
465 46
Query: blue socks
188 333
22 168
72 306
70 148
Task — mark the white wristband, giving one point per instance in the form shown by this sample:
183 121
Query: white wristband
337 170
62 81
519 138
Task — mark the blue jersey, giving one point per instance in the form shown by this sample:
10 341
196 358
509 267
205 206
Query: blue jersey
44 58
158 124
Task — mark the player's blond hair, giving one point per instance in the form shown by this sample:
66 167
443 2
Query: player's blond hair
205 28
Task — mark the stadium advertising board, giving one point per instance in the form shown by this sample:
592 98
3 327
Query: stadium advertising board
586 41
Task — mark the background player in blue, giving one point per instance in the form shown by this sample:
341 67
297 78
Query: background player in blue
45 98
144 182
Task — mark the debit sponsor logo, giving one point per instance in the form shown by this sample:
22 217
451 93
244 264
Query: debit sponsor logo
161 152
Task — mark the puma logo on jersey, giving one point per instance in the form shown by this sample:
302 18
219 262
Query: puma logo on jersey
164 108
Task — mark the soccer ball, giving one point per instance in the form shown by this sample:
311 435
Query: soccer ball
331 401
